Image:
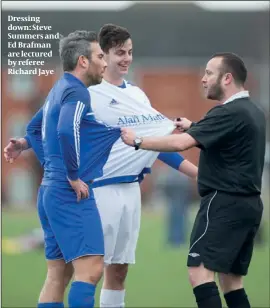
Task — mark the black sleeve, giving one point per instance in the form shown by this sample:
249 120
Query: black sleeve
217 124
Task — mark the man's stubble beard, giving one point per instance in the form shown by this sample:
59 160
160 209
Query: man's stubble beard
216 92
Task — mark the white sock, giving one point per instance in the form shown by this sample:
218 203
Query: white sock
112 298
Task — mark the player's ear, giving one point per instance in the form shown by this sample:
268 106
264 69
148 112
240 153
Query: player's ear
83 61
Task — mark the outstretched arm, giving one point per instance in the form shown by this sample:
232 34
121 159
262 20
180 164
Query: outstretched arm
14 148
216 125
172 143
31 140
177 162
189 169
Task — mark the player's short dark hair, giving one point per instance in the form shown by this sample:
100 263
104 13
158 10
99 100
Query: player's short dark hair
232 63
111 35
73 46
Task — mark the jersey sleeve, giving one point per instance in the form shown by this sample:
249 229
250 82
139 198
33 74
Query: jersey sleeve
173 160
34 135
74 107
215 126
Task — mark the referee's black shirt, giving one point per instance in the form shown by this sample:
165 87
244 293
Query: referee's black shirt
232 141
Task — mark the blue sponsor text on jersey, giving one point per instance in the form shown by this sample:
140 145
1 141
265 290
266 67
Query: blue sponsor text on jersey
140 119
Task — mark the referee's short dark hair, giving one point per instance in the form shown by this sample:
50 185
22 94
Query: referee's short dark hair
73 46
232 63
111 35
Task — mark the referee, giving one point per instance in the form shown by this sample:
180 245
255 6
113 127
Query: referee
231 137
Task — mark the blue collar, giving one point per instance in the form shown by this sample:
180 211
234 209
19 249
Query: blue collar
72 78
123 85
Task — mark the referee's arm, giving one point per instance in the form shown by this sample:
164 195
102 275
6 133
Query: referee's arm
214 126
172 143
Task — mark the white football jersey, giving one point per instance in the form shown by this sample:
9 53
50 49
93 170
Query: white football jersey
127 106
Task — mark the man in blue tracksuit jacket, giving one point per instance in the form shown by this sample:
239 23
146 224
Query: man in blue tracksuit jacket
74 149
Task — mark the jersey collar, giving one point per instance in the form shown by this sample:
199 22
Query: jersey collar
240 94
72 78
123 85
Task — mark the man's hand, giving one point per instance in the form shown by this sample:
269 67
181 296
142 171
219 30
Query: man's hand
128 136
183 125
13 150
81 189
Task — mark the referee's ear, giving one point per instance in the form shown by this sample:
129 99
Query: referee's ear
228 79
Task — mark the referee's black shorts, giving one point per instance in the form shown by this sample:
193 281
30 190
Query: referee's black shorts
223 233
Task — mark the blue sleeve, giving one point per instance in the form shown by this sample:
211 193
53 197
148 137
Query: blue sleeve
27 138
33 135
74 107
173 160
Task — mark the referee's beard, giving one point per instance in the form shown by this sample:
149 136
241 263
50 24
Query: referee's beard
215 92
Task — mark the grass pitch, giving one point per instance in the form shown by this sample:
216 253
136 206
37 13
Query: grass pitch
159 278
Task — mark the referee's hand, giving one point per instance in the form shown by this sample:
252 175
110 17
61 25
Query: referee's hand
182 124
128 136
81 189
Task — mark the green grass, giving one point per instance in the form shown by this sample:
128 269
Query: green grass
159 278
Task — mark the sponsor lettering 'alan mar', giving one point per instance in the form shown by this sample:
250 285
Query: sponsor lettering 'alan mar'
140 119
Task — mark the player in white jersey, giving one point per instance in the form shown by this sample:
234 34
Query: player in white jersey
118 103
